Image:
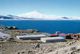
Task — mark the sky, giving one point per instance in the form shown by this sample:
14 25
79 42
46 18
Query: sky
51 7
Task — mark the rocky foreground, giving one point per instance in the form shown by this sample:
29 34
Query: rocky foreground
69 47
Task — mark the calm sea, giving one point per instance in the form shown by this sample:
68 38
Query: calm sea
50 26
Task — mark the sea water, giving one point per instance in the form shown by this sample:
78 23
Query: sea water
50 26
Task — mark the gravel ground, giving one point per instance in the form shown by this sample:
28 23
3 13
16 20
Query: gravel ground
69 47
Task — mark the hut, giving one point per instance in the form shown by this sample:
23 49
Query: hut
32 36
53 39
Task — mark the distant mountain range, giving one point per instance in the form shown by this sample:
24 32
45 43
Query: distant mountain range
11 17
35 15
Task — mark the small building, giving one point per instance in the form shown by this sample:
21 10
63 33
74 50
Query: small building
32 36
53 39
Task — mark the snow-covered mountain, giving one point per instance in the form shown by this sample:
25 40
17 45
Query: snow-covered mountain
35 15
40 16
